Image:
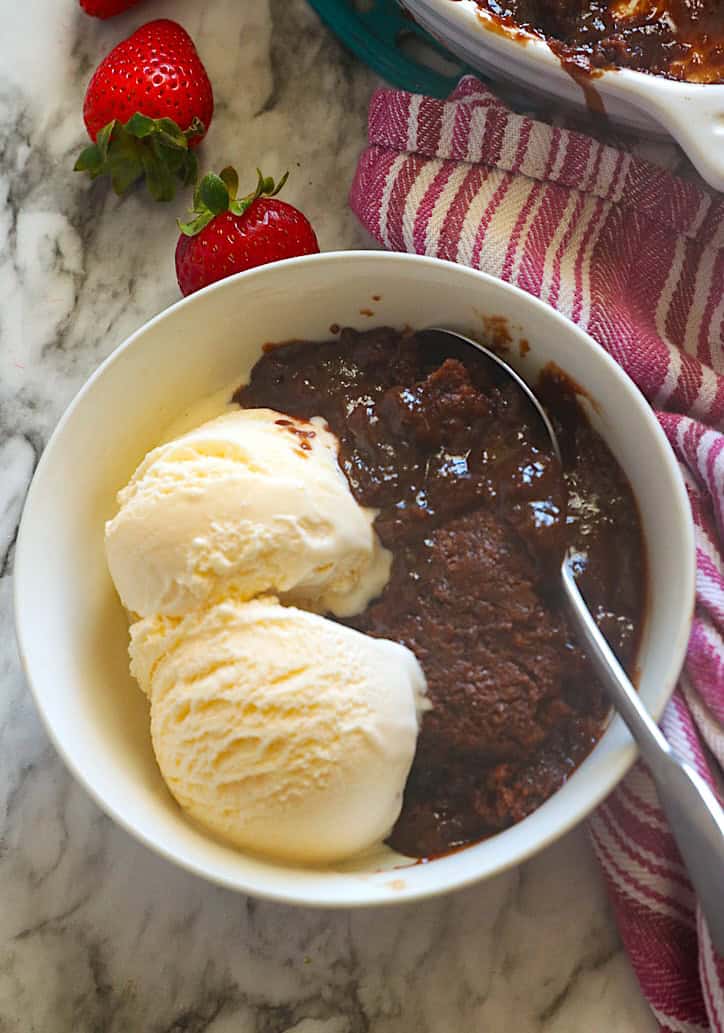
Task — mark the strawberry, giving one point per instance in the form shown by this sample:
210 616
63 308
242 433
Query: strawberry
227 235
106 8
147 106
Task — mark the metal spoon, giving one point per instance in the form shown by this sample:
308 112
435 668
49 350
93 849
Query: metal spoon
695 817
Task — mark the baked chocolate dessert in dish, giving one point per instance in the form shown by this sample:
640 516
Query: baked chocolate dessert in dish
477 513
680 39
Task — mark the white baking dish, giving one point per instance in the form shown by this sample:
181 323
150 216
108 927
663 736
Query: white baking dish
693 114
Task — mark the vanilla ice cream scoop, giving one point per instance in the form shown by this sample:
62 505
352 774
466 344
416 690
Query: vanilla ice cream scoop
248 503
280 731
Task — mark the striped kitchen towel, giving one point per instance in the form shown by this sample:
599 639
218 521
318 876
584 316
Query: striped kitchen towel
635 256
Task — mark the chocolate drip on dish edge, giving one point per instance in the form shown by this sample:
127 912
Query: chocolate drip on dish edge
679 39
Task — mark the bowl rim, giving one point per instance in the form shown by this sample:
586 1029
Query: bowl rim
270 890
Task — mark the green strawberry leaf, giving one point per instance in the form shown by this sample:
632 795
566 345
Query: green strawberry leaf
171 135
231 179
159 179
189 168
214 194
265 184
194 226
103 138
170 157
124 174
124 145
280 185
239 207
140 126
89 160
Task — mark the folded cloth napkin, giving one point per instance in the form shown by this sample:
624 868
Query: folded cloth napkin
635 256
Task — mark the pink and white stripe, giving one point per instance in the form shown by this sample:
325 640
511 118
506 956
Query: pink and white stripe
636 257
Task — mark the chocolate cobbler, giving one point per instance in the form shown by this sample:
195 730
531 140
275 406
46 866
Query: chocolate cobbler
477 512
680 39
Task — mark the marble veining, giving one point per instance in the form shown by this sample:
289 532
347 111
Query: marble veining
98 935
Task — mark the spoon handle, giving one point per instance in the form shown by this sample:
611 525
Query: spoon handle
695 817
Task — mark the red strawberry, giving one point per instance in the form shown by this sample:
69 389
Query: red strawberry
227 235
106 8
148 104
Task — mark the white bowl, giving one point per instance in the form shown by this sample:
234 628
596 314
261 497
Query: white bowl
690 112
71 627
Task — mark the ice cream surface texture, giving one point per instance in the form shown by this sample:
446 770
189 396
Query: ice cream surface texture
277 729
248 503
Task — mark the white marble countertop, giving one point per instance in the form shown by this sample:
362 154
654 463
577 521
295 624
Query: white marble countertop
96 933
